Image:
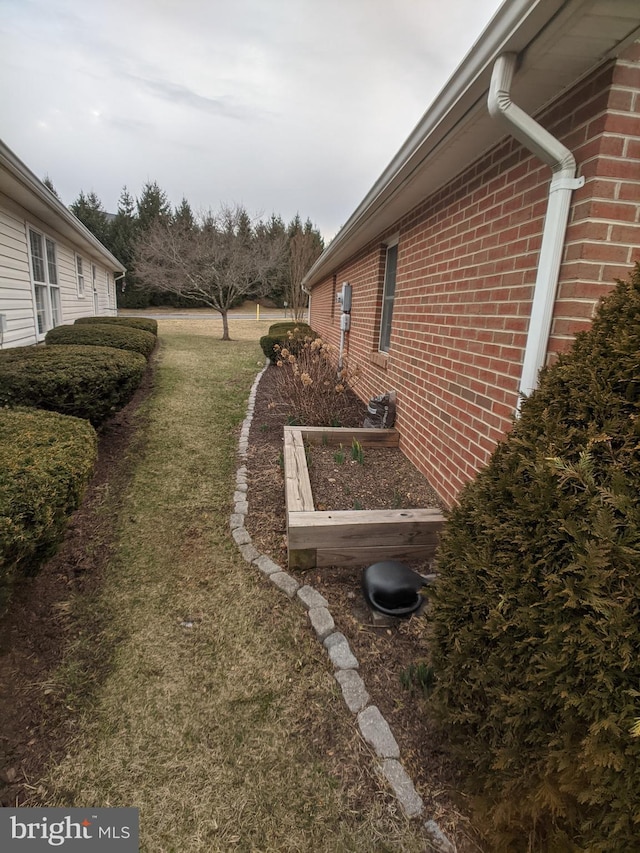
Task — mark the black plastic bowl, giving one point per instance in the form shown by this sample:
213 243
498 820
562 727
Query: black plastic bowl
392 588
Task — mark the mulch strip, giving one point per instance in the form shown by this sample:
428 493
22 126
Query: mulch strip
36 722
384 651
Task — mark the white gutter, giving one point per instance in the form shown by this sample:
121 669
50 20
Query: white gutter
563 165
514 24
34 186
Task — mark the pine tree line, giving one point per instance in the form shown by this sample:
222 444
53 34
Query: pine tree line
125 232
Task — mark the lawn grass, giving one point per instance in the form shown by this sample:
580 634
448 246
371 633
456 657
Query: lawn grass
230 734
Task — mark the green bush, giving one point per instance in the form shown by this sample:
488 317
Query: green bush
98 335
144 323
536 613
291 335
87 382
283 326
46 460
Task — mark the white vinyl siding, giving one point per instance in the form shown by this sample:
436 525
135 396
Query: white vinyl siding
16 296
56 260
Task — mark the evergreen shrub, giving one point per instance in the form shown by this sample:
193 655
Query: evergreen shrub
83 381
46 460
145 323
103 335
536 613
289 334
284 326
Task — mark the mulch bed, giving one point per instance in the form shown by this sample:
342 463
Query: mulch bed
385 650
36 723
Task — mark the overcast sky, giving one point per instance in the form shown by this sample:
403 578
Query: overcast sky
281 105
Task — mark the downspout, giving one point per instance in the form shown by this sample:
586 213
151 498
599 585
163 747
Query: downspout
563 181
308 292
116 279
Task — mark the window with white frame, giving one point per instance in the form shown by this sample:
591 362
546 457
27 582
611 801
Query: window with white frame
44 272
80 275
108 283
94 287
388 295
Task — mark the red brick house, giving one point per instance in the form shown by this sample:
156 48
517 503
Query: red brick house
488 240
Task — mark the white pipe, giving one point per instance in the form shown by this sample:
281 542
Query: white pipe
308 292
563 165
341 350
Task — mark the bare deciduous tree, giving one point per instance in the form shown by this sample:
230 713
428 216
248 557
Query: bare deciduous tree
219 262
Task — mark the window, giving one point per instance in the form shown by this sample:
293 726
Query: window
80 275
94 288
108 281
388 295
44 272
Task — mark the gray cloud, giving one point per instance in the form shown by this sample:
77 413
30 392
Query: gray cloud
184 96
291 105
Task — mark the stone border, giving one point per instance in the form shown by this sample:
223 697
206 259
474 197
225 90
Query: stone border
373 727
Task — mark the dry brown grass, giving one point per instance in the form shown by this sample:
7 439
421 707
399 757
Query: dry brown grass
229 734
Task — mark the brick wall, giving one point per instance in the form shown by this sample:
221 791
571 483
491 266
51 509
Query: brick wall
467 261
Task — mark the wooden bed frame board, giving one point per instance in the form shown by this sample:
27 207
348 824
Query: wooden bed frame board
348 537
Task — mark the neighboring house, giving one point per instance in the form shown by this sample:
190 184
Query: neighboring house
52 268
460 290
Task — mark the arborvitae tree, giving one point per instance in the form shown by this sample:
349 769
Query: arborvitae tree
89 210
49 185
536 612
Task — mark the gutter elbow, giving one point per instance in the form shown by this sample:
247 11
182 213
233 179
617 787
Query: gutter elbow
565 168
523 126
499 101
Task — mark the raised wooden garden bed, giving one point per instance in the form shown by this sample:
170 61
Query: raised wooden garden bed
348 537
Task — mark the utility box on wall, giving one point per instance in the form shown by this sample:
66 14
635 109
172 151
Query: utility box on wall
344 298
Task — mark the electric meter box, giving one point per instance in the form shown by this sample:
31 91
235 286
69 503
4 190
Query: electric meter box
344 298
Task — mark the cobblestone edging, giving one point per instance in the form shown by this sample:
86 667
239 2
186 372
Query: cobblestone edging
373 727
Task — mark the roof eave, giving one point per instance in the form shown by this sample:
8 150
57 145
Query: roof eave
514 26
65 221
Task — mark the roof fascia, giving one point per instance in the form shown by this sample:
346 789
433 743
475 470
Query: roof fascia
513 26
21 173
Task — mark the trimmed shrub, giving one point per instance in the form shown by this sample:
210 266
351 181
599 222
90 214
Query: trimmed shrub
291 335
283 326
144 323
46 460
536 613
87 382
98 335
